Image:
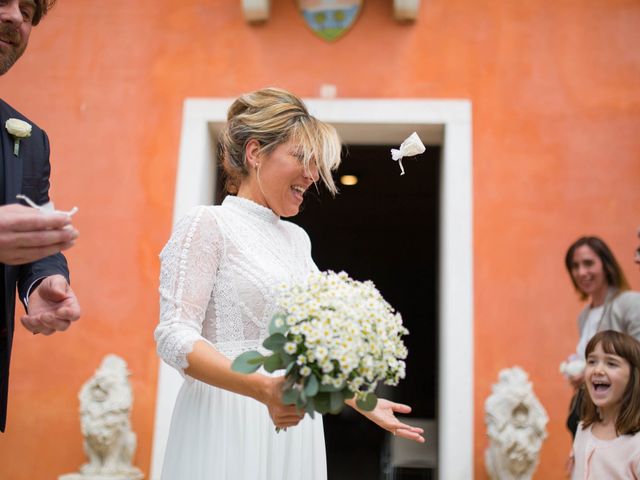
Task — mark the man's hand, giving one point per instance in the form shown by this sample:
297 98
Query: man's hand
52 307
27 234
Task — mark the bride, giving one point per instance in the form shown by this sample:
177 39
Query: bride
218 274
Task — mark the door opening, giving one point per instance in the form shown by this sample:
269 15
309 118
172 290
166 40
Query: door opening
385 228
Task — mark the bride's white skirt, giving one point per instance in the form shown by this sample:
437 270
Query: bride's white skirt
219 435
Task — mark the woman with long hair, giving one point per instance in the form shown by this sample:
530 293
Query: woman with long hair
599 280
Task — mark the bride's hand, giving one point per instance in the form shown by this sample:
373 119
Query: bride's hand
384 416
282 415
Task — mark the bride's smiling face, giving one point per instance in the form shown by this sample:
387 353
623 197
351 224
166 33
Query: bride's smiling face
278 180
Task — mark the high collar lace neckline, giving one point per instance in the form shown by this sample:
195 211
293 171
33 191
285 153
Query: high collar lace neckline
249 207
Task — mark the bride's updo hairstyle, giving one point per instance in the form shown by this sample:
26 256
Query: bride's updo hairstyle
272 117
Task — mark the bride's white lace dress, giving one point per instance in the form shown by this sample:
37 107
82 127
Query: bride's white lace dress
218 275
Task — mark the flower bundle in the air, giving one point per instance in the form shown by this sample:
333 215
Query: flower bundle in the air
336 338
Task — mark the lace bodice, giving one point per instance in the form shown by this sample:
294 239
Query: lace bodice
218 275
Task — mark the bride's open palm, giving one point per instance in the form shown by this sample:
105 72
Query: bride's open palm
384 416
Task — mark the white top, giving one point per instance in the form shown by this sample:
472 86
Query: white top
218 275
590 329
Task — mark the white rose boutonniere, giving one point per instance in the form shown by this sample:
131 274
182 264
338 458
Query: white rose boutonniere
18 129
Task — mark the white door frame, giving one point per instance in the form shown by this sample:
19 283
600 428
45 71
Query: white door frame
374 121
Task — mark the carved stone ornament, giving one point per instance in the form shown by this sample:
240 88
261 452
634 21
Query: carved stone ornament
516 426
105 407
330 19
255 10
406 9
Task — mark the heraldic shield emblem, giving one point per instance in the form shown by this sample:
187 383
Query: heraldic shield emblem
330 19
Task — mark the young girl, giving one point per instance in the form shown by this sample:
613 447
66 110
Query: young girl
607 444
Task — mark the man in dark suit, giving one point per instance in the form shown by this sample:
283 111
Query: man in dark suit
30 241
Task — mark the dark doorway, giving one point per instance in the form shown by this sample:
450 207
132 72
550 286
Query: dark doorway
386 229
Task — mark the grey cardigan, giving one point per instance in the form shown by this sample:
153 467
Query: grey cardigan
621 313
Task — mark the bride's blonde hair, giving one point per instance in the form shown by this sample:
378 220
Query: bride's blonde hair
273 116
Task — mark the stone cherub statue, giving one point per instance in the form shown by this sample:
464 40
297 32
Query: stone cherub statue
105 406
516 423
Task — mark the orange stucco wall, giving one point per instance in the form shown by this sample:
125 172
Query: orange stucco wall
556 142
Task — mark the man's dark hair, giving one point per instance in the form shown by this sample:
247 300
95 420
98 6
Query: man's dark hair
42 7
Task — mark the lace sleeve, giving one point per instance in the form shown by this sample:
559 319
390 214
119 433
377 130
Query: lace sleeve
188 266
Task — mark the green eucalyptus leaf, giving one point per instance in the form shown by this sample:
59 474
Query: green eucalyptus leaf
310 407
289 368
278 318
289 397
347 394
367 403
336 402
289 382
321 401
273 363
248 362
301 401
311 386
286 358
328 388
275 342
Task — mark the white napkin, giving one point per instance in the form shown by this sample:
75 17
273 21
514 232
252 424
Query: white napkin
410 147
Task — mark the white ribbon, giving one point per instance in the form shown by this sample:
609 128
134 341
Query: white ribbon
46 208
410 147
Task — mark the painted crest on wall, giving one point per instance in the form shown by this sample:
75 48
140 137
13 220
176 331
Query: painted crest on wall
330 19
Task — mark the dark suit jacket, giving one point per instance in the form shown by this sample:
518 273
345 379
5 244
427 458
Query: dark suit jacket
27 173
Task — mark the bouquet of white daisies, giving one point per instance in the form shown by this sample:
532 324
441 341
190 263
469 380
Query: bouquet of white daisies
336 338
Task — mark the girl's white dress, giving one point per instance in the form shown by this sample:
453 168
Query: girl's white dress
218 274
